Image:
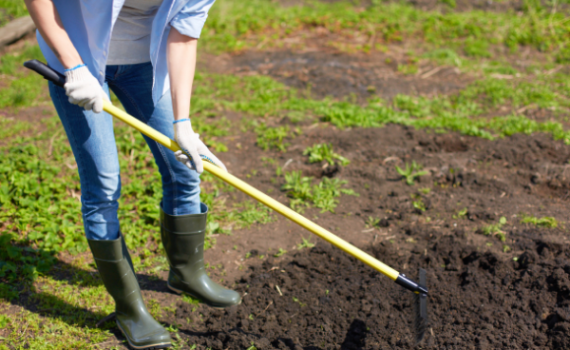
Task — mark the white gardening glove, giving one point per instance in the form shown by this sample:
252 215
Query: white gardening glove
83 89
190 142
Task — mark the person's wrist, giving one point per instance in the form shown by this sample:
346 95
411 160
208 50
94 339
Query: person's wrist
177 121
77 73
74 67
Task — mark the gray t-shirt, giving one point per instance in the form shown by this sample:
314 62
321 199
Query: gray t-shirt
130 40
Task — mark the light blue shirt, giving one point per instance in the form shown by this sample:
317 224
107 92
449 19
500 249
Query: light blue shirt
89 24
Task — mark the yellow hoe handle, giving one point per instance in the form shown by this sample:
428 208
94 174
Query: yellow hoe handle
256 194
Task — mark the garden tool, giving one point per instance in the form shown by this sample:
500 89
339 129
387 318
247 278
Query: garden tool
420 289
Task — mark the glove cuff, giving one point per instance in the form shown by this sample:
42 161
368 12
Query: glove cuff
183 127
78 74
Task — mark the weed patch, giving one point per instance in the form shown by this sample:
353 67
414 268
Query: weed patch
323 152
495 229
545 221
411 172
323 195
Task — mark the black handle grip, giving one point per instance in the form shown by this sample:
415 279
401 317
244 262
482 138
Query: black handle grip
46 72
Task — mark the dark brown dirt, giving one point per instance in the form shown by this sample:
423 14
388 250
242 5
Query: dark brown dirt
481 298
478 300
339 74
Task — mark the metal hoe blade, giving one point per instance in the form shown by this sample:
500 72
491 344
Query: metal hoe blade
420 309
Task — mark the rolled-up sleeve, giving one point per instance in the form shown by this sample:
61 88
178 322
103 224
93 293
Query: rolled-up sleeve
190 20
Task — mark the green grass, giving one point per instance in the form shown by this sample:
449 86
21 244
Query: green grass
23 88
41 211
272 138
10 9
41 222
235 26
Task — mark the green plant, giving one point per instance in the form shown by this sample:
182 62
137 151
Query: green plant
305 244
419 204
495 229
280 252
411 172
299 302
425 190
324 152
372 222
545 221
461 214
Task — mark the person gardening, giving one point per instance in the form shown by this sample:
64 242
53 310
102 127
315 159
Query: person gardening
145 52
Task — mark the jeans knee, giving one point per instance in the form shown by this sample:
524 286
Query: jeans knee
100 204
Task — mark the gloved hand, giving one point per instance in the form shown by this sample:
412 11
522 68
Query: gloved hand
83 89
190 142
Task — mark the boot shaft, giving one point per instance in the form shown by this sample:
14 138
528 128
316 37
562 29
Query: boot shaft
183 239
116 270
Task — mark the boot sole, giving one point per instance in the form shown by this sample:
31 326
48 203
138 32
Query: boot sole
178 291
145 347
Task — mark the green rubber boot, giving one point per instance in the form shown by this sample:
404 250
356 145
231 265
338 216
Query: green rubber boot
183 239
133 319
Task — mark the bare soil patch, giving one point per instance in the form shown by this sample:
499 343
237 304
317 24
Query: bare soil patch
321 299
332 73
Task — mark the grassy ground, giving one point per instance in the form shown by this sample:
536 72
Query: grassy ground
10 9
42 246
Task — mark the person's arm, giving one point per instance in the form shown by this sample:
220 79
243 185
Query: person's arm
181 56
46 18
82 88
181 51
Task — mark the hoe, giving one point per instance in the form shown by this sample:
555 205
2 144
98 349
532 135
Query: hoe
419 289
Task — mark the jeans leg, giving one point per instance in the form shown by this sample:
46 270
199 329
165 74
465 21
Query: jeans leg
93 143
180 185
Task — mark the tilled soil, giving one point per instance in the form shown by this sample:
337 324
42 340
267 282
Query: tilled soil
482 296
321 299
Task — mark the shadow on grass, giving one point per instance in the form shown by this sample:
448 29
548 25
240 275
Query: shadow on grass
19 268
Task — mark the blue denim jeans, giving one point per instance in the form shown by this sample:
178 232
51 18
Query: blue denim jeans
93 143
